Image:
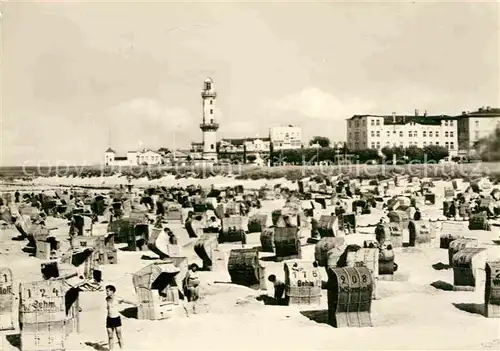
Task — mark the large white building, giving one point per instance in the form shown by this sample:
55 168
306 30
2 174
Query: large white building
286 137
476 125
132 158
379 131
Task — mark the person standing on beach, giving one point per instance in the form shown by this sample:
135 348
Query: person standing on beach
113 320
191 283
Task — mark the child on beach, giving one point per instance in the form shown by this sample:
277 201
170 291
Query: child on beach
279 289
113 320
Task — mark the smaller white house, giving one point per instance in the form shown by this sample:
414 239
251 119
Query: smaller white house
132 158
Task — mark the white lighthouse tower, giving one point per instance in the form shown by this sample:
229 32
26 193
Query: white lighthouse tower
209 125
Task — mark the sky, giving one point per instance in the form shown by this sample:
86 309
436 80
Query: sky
79 77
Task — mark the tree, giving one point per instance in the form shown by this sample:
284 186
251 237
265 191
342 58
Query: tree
389 152
414 152
435 152
251 158
164 150
366 155
321 141
488 148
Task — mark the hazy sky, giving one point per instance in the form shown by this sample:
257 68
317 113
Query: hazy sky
74 71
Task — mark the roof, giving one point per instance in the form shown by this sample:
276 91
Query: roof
404 119
146 276
483 112
240 141
110 150
208 80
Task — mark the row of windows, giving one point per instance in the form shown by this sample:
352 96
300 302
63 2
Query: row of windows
376 122
410 134
149 158
450 146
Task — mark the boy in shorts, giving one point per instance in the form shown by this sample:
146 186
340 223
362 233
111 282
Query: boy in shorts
113 320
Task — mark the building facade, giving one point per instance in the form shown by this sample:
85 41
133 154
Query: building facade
132 158
286 137
473 126
248 145
379 131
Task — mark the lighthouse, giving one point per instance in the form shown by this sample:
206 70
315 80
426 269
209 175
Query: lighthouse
209 125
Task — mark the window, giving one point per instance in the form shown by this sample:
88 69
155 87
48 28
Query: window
372 133
437 134
388 133
424 133
211 102
451 134
400 134
363 121
446 134
446 123
452 145
477 124
446 145
212 146
415 134
425 143
373 145
212 121
356 123
211 112
378 122
437 142
378 144
208 86
373 122
430 134
378 133
387 143
451 123
409 134
476 134
401 144
350 135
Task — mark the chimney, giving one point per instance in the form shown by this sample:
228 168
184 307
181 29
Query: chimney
425 113
416 112
464 113
394 118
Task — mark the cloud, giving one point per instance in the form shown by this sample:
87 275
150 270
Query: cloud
146 122
314 103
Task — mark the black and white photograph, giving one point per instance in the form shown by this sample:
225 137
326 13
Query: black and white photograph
249 175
